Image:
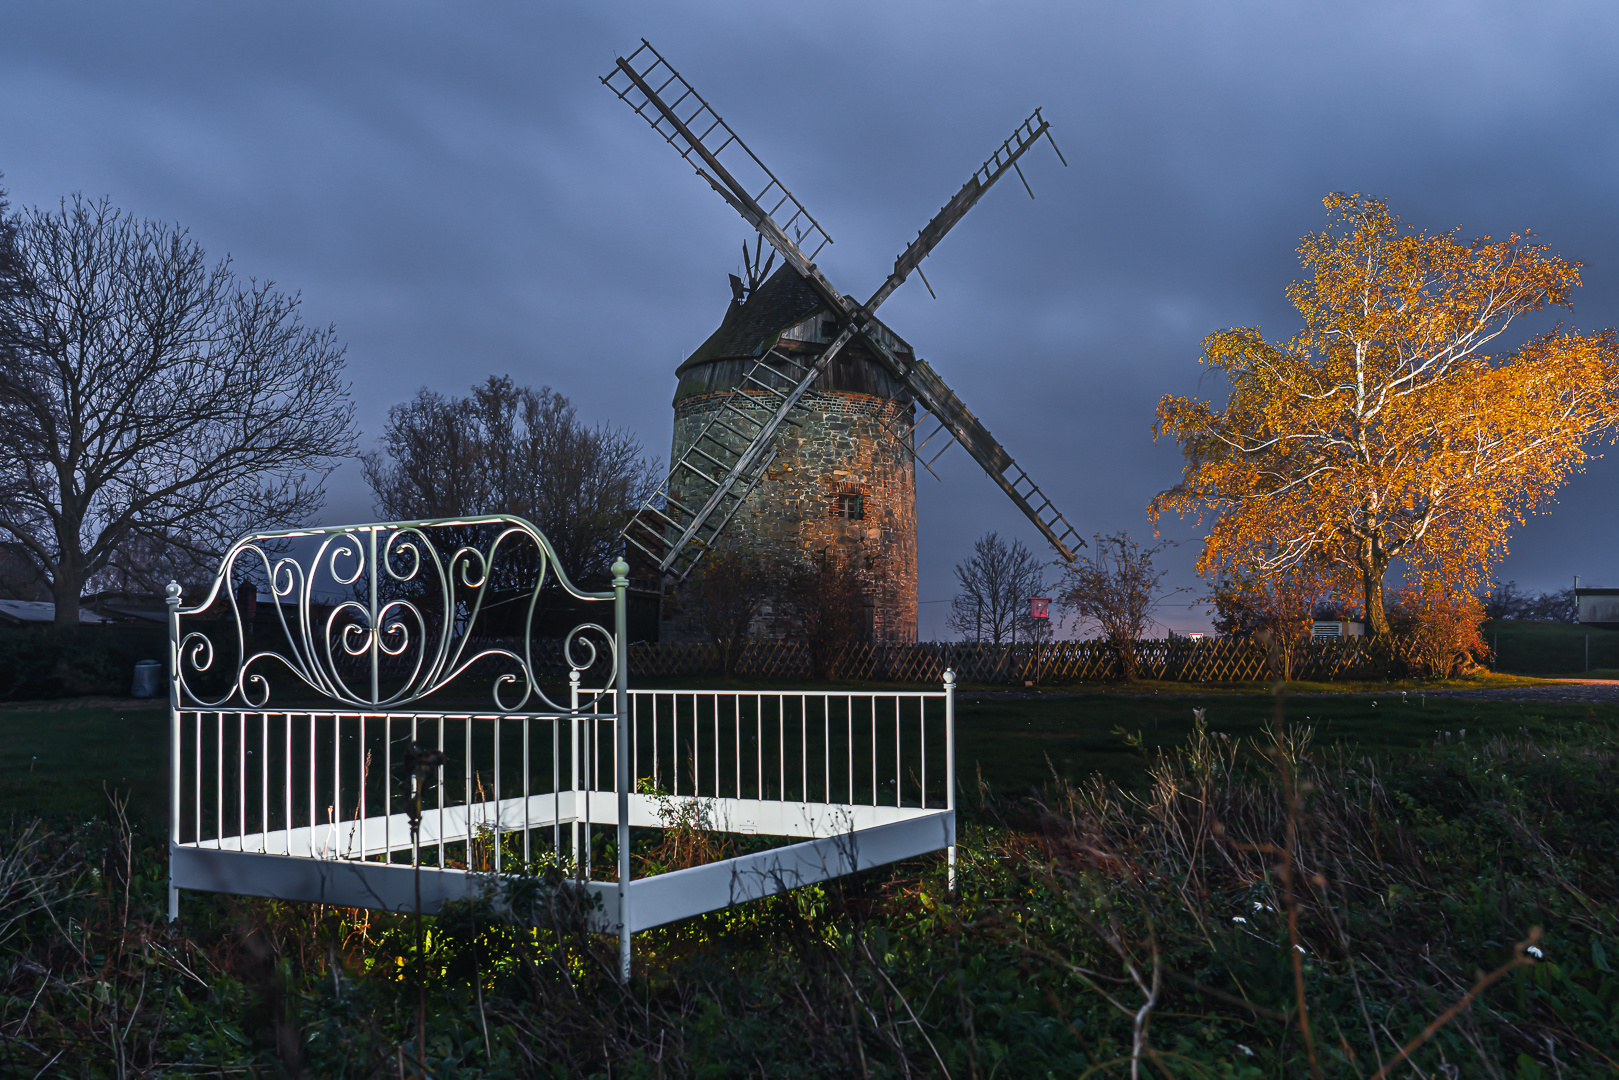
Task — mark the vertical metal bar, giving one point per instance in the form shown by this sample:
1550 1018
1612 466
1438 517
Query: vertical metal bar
376 631
264 782
219 778
556 788
803 748
440 779
736 716
241 780
573 768
950 768
716 745
621 582
337 778
171 599
873 701
495 724
781 745
527 815
387 787
657 775
416 839
196 787
311 785
287 810
592 746
466 741
826 744
899 760
359 810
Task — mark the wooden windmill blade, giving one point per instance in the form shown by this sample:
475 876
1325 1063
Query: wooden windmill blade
1005 157
954 417
661 96
975 438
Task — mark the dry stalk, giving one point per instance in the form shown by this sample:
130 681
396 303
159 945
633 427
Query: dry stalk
1520 958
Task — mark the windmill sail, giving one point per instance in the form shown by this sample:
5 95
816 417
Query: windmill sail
676 532
1004 158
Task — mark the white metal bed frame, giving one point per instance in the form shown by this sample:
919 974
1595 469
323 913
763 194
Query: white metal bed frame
299 801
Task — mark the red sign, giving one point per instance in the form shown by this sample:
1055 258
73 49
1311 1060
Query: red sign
1039 607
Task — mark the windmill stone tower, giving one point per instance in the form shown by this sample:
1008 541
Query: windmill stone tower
795 421
841 480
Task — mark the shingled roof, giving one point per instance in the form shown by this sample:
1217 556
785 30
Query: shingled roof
750 329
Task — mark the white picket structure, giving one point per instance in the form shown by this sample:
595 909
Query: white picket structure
310 800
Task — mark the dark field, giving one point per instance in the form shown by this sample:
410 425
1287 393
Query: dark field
1423 858
1552 648
56 757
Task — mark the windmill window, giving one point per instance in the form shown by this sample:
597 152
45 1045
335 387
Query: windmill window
829 328
850 506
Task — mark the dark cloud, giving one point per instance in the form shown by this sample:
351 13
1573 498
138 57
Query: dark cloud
453 189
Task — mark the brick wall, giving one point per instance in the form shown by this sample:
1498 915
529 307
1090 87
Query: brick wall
834 455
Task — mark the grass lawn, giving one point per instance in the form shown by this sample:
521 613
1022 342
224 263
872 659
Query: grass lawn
56 757
1011 740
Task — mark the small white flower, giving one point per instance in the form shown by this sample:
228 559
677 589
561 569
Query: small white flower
1238 918
1300 948
1245 1050
1258 906
1534 950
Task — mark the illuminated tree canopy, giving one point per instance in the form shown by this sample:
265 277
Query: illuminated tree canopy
1386 429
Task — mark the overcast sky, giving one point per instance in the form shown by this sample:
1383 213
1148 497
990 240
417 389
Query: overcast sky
452 187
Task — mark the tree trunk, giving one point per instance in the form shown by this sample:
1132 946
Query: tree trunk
1372 570
67 582
1125 648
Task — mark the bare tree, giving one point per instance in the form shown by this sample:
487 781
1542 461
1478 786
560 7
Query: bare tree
826 602
995 584
727 591
1506 601
1117 589
11 277
146 394
1275 609
511 449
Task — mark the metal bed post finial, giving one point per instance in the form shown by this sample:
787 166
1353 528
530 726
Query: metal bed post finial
621 739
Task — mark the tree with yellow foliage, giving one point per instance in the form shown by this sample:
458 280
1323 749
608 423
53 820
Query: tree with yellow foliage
1386 430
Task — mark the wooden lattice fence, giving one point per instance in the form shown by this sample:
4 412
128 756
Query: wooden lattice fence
1174 660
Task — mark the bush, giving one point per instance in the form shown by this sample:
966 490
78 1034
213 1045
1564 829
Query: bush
1436 631
39 662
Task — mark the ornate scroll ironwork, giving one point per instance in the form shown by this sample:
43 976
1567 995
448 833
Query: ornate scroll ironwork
373 601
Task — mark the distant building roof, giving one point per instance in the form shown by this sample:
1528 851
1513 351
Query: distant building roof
18 612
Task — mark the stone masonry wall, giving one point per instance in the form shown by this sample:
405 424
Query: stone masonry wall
839 446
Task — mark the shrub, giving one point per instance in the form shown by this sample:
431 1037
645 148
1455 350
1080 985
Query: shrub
47 662
1436 631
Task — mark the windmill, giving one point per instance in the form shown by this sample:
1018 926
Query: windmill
728 449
